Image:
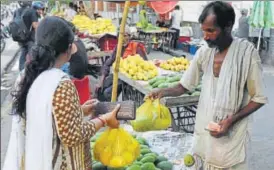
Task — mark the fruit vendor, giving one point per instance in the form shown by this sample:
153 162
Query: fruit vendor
81 8
104 87
232 89
176 19
161 21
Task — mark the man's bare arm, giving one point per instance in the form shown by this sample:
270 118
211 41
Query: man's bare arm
167 92
246 111
174 91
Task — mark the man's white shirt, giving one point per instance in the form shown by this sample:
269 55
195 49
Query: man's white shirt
177 18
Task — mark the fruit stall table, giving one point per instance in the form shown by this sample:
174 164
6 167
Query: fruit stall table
147 38
163 150
102 46
96 60
99 57
164 37
183 108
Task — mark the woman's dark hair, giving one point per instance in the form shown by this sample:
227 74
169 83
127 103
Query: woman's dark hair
53 37
177 7
224 12
70 25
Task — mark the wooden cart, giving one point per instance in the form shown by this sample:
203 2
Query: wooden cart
165 39
183 108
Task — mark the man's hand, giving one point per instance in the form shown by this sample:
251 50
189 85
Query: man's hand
167 92
156 94
88 106
225 125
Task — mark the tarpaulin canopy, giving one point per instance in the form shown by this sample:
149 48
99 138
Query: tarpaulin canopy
132 3
163 7
262 16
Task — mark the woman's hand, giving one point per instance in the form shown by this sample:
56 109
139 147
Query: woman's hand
88 106
111 117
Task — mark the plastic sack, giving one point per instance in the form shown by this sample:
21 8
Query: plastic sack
116 148
151 116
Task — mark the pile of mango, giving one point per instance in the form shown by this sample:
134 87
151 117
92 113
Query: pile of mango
165 81
176 64
98 26
195 92
147 159
136 68
171 81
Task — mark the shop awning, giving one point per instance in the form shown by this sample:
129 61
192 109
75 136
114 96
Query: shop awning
160 7
132 3
262 14
163 7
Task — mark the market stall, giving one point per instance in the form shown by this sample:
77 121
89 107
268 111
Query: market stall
156 148
117 149
137 84
99 37
152 36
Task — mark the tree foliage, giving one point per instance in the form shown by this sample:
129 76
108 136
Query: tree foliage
4 2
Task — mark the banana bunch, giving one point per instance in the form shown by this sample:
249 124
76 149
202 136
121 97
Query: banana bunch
98 26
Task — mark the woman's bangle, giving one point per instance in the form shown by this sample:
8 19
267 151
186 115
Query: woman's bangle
102 120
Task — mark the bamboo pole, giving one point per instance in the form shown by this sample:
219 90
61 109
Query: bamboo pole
119 51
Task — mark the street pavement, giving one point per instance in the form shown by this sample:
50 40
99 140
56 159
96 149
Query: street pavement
8 56
10 50
7 82
262 143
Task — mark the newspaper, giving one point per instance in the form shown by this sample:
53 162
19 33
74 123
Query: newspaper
173 145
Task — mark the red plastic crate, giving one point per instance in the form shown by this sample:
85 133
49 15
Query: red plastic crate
82 87
184 39
108 44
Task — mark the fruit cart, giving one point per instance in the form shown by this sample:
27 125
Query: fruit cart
157 39
99 49
168 40
157 150
183 108
148 37
106 43
140 77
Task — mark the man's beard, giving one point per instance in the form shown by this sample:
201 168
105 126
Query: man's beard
211 44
